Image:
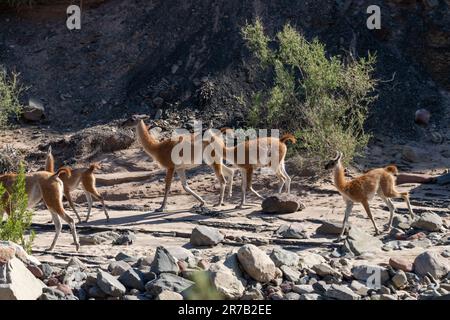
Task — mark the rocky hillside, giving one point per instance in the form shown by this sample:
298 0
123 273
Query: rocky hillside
141 56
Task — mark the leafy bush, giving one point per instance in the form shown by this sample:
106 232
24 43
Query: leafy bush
18 222
322 100
10 90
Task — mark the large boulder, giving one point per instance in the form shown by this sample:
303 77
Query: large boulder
34 111
256 263
428 221
282 203
206 236
17 282
433 263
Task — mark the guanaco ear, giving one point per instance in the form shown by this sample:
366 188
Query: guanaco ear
49 149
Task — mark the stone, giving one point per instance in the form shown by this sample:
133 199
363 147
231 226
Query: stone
282 203
291 296
253 294
310 296
340 292
291 231
117 268
76 263
290 274
359 288
256 263
168 281
164 262
64 288
303 288
360 242
47 270
399 279
36 271
324 270
96 292
133 279
284 257
180 253
433 263
414 154
34 111
17 282
52 294
121 256
309 259
169 295
364 271
422 116
330 227
401 264
109 284
205 236
98 238
126 238
428 221
225 281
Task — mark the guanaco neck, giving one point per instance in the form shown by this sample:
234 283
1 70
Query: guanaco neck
339 177
146 139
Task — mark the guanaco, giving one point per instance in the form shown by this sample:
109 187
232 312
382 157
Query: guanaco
362 189
46 186
249 161
86 177
161 152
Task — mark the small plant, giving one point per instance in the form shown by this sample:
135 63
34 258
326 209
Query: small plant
18 222
203 288
323 100
10 90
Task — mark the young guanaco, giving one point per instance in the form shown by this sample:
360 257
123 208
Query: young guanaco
46 186
362 189
254 155
161 152
86 177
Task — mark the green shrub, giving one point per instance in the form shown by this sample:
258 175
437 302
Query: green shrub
10 90
322 100
18 222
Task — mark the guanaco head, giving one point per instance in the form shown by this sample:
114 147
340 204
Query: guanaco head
332 163
134 120
392 169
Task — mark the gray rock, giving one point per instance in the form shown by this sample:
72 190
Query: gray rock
76 263
309 259
169 295
205 236
433 263
364 272
47 270
110 285
399 279
170 282
282 203
256 263
330 227
291 296
324 270
359 242
117 268
96 292
284 257
290 274
98 238
428 221
225 281
303 288
121 256
164 262
126 238
180 253
133 279
310 296
359 288
51 293
340 292
34 111
291 231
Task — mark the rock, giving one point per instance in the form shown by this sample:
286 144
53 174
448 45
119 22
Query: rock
359 242
321 286
17 282
324 270
132 279
126 238
303 288
180 253
340 292
291 296
428 221
364 272
282 203
359 288
47 270
205 236
117 268
291 231
253 294
290 274
64 288
98 238
422 117
164 262
169 295
309 259
330 227
225 281
170 282
256 263
121 256
110 285
34 111
401 264
399 279
284 257
76 263
413 154
52 294
310 296
433 263
36 271
158 114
